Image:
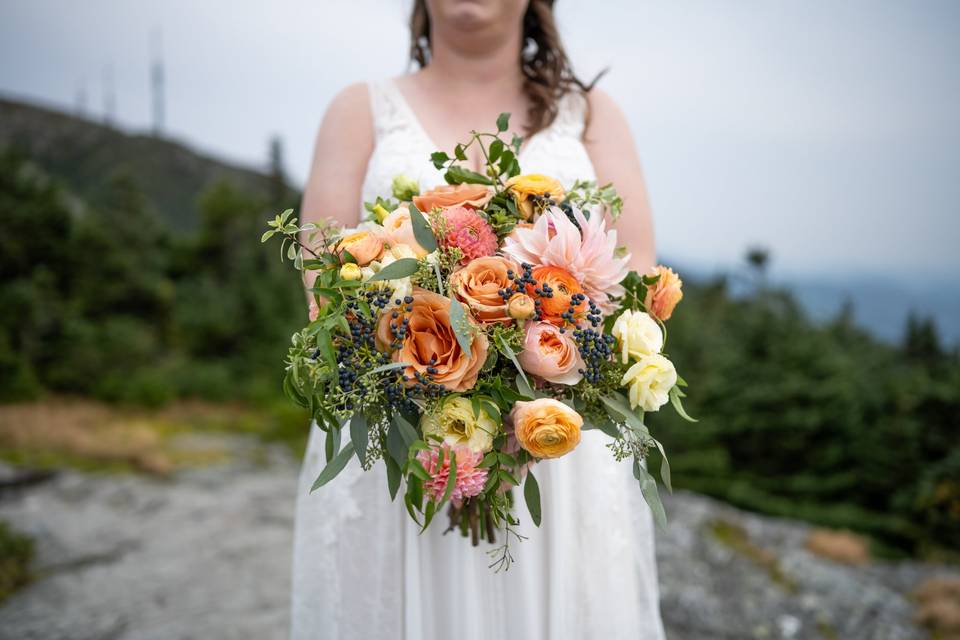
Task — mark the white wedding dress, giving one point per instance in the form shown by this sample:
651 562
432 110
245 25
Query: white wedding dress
361 570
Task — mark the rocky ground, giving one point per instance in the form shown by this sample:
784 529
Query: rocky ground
205 554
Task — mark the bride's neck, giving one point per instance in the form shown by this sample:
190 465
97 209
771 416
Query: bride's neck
488 64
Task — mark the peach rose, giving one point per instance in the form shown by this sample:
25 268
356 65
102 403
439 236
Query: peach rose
534 185
551 355
478 283
545 427
664 295
429 345
558 300
454 195
399 230
364 246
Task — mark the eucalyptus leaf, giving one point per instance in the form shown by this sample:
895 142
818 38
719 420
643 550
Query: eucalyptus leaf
619 405
359 435
387 367
402 268
407 431
396 447
422 231
648 487
531 494
664 467
678 405
393 476
505 348
334 467
459 320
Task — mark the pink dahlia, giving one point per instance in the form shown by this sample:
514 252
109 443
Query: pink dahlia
466 230
587 252
470 477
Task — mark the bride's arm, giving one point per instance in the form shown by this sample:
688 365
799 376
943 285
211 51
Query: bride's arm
343 146
614 155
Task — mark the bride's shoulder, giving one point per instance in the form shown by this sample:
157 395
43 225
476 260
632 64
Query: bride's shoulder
348 118
350 103
606 118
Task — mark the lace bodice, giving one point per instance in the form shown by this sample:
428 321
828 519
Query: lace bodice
402 145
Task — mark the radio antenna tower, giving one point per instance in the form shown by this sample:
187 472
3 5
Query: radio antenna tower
109 96
156 81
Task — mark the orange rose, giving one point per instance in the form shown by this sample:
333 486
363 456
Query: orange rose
429 344
534 185
557 299
478 284
399 229
454 195
664 295
545 427
362 245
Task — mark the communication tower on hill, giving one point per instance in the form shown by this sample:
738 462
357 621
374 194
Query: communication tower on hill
157 81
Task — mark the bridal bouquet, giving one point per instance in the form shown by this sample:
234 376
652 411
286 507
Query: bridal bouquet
465 334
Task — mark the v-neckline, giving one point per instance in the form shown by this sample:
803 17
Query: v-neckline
425 135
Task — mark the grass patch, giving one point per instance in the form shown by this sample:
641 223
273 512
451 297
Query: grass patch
92 436
16 553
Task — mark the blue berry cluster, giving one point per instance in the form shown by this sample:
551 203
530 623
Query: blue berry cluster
570 315
596 348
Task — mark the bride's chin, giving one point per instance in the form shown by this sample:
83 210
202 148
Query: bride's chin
470 15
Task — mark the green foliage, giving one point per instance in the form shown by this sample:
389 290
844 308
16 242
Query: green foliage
820 422
16 552
107 302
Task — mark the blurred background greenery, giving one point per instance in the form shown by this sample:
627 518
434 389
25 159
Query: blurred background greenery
132 280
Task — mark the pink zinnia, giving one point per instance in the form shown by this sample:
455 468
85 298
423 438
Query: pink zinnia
470 477
466 230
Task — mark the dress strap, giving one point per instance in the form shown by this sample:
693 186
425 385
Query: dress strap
387 107
571 115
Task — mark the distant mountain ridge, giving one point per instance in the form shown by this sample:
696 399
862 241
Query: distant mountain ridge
85 156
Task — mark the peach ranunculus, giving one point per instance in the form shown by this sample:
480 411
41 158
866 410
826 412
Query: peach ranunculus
551 355
557 300
478 284
364 246
399 230
545 427
664 294
429 345
534 185
454 195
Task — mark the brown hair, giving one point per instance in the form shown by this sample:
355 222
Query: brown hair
547 72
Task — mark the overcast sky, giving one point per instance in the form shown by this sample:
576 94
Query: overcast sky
825 130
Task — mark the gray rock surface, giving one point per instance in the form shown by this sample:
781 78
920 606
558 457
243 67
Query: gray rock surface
206 555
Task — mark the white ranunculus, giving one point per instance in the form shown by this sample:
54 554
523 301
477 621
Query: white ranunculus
650 380
399 287
637 335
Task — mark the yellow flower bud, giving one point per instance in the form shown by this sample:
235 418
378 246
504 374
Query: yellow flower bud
521 307
380 213
350 271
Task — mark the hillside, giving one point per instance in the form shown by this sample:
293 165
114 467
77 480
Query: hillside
85 155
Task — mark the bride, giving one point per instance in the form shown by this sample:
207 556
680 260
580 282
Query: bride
361 569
